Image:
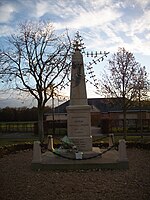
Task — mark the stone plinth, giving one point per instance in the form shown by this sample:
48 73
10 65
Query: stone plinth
109 160
79 126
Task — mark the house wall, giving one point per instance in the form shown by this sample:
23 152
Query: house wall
111 121
57 117
134 121
95 118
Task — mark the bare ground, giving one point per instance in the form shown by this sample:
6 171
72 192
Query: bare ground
19 182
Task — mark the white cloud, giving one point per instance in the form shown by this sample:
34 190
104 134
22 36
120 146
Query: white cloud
132 34
41 8
147 36
6 11
143 3
141 24
6 30
104 25
89 19
109 18
57 8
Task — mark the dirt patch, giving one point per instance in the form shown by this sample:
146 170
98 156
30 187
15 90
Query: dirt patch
19 182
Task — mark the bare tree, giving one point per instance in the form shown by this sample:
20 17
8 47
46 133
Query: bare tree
36 62
142 87
120 81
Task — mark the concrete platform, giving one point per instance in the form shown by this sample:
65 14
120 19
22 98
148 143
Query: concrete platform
91 160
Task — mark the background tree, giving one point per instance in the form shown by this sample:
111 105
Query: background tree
120 81
36 62
142 86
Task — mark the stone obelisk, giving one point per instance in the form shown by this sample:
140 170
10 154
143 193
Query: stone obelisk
78 112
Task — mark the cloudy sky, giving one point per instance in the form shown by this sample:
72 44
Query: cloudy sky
103 24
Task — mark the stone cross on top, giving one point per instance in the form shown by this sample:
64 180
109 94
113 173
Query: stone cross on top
77 42
76 46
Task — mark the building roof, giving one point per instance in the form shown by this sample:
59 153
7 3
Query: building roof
102 104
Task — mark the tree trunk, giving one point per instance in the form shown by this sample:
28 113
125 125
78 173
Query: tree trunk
40 124
141 120
124 124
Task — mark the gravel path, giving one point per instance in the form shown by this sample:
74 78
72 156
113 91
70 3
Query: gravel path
19 182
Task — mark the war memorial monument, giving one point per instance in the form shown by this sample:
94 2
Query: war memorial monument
80 153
